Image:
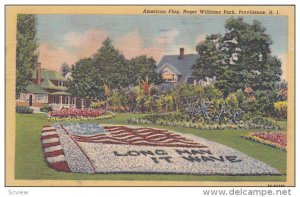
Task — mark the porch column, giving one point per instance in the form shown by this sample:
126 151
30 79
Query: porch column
60 100
75 102
82 106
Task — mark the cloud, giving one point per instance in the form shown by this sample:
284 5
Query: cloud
132 45
52 58
200 38
165 39
87 42
77 45
85 45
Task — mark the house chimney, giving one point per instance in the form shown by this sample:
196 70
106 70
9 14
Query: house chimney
181 54
38 74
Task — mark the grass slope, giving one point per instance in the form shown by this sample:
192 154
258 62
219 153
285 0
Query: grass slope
30 163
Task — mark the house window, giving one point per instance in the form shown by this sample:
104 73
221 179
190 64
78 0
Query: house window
39 97
60 83
22 97
169 77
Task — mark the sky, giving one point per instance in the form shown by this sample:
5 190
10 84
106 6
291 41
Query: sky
67 38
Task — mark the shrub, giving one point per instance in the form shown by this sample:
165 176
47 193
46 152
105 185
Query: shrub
281 110
24 110
184 120
267 123
98 104
46 108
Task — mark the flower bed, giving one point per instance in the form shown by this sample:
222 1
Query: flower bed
130 149
275 139
203 126
82 114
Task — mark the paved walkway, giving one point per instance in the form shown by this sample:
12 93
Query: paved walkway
36 110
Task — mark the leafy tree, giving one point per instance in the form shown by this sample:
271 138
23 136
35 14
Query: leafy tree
209 63
143 68
240 58
26 52
108 70
64 69
85 83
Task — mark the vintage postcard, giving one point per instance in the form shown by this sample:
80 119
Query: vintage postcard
150 95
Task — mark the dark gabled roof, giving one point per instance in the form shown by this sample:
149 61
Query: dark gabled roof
183 79
179 66
32 88
50 74
47 84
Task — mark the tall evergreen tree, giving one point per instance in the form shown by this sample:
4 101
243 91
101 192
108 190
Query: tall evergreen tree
26 51
110 65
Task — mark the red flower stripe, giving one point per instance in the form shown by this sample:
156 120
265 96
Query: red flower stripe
53 152
60 166
138 136
77 113
49 136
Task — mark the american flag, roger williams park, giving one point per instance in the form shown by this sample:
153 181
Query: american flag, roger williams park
138 136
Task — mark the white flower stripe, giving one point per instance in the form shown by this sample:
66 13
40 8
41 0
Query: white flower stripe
50 140
48 128
113 129
49 133
76 159
53 148
106 140
145 133
126 138
143 129
56 159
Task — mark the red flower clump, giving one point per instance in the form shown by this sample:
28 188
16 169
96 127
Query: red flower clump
275 137
77 113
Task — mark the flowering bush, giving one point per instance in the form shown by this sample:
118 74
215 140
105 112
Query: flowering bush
275 139
98 104
281 109
85 114
184 120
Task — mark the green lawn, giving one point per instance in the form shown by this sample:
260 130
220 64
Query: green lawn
31 165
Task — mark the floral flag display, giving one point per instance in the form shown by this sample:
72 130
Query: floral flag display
94 148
